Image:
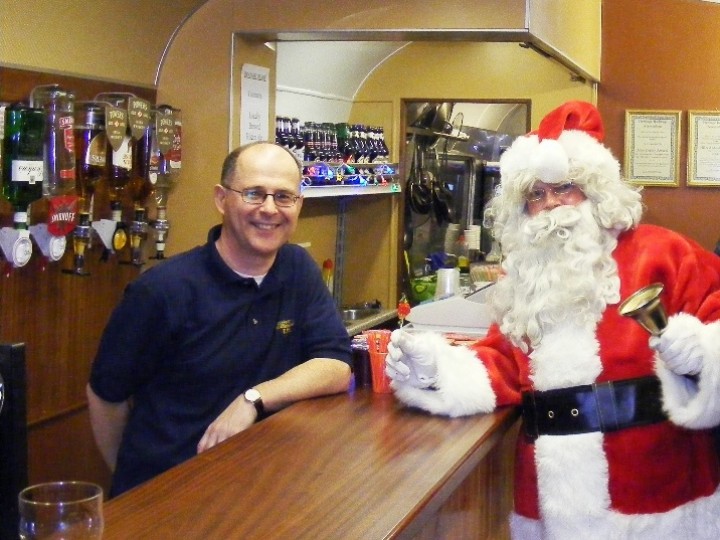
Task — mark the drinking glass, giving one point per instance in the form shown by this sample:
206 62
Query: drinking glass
61 511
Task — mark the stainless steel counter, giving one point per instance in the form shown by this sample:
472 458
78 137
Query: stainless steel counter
357 326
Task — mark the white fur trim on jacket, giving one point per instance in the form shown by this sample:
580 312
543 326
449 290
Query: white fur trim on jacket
697 520
569 355
462 387
691 404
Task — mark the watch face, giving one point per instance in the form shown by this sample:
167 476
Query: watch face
252 395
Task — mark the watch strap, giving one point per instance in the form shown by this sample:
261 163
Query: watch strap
254 397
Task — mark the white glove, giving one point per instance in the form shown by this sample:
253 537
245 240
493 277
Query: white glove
429 373
412 359
680 345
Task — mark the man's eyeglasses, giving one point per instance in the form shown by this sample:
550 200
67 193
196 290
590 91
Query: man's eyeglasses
283 199
538 194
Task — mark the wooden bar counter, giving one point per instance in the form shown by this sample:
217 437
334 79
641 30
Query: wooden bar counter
350 466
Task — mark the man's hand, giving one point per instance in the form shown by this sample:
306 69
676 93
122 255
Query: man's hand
411 360
239 415
679 346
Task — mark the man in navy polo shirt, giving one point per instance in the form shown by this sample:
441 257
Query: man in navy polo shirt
206 343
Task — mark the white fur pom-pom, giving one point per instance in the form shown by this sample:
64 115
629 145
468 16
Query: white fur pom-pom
550 162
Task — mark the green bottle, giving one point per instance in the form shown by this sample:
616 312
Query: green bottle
23 168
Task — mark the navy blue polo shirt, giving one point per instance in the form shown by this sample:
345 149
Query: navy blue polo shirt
190 335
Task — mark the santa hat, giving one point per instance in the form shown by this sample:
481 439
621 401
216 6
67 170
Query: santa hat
569 136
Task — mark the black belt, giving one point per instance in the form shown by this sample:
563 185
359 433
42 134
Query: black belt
604 407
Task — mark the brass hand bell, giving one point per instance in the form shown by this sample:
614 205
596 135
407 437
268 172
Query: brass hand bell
645 307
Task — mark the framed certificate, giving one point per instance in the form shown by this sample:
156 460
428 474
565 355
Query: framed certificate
703 148
652 147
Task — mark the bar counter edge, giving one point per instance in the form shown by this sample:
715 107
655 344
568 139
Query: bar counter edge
350 466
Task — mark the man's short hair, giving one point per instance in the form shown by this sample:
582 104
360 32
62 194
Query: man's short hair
230 162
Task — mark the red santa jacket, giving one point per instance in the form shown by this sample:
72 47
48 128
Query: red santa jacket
641 470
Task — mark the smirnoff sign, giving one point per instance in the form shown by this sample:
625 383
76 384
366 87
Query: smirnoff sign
61 214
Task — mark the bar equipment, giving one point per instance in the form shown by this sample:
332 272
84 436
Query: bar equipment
137 236
164 171
81 243
140 185
119 162
91 169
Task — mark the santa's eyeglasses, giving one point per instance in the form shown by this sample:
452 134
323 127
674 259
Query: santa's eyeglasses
537 194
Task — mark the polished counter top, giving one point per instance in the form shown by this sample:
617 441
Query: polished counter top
349 466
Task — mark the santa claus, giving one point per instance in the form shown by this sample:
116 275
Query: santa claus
615 440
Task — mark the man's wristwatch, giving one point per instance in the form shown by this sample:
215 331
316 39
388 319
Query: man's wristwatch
253 396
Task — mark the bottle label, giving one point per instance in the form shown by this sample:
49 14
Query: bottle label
27 171
116 123
122 157
66 124
138 116
61 214
175 154
95 154
165 131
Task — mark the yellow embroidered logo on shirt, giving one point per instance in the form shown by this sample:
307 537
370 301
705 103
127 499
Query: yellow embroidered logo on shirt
284 327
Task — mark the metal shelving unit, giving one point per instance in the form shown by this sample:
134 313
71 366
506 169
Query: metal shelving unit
387 176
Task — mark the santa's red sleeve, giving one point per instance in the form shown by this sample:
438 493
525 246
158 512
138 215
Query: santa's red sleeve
691 279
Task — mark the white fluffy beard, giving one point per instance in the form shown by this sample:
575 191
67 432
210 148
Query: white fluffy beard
558 268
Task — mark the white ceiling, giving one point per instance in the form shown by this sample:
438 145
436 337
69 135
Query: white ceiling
318 80
335 68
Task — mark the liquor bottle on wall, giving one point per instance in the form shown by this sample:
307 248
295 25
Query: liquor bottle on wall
166 163
59 173
59 146
119 162
90 152
90 168
22 173
140 186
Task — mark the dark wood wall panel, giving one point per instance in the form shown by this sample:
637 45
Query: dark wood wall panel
60 318
658 55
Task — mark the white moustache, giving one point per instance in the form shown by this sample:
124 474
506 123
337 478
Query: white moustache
557 222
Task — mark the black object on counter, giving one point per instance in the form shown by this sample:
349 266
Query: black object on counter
361 362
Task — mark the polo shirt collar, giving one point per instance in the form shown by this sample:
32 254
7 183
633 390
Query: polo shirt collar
276 276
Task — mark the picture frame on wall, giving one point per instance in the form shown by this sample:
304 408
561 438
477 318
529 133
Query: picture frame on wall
652 147
703 148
